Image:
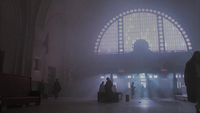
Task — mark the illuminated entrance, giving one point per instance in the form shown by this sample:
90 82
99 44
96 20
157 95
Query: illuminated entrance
143 44
155 85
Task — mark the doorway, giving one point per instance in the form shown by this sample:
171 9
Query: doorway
51 78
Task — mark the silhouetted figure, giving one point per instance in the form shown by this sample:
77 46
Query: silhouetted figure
132 90
141 47
114 88
142 90
192 79
142 55
102 87
57 88
41 87
108 89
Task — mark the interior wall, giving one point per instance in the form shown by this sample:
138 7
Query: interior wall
73 27
13 26
103 11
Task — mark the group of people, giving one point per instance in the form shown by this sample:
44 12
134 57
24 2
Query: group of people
109 88
55 90
192 82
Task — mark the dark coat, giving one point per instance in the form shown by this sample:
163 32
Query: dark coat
108 86
132 89
191 81
57 87
101 88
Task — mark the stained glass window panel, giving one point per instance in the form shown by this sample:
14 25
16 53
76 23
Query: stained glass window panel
140 26
159 30
109 41
174 41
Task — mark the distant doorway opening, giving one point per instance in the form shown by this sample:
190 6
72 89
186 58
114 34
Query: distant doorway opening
51 78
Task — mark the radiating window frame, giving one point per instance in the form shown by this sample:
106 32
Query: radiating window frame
161 34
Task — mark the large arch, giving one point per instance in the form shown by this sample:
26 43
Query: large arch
163 33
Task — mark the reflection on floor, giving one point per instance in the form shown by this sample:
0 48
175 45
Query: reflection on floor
80 105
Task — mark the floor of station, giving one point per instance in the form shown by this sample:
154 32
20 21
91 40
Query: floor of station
83 105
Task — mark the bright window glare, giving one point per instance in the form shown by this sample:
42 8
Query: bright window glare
140 26
142 75
107 75
144 84
129 85
150 76
161 31
114 76
109 42
129 76
178 84
171 43
102 77
155 76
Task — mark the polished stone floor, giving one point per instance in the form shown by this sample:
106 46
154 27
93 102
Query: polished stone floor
83 105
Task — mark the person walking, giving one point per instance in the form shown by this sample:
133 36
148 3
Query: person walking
56 88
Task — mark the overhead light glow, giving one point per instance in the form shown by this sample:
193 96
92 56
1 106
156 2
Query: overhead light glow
155 76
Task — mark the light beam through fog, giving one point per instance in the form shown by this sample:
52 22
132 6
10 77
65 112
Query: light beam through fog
155 85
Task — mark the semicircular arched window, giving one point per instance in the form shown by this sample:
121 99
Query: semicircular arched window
163 33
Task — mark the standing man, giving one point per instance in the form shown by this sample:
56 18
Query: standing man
101 87
132 90
41 87
108 89
57 88
192 79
